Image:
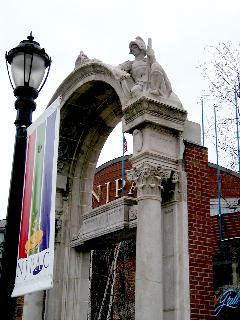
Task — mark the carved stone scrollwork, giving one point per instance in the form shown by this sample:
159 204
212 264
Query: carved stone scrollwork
83 59
166 175
174 187
133 213
147 178
175 177
155 181
171 178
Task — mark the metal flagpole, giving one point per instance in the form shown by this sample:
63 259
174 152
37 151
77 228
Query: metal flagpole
237 124
203 133
218 179
123 164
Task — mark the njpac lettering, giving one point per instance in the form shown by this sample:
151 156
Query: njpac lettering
109 185
32 265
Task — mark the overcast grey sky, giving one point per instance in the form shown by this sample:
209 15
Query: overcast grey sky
103 30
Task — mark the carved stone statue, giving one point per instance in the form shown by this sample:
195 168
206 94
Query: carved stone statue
146 72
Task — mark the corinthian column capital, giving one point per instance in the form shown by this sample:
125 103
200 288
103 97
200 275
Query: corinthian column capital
148 179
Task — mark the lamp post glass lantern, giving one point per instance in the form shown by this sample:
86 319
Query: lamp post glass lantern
30 67
28 64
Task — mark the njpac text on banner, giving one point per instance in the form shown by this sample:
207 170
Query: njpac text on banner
36 239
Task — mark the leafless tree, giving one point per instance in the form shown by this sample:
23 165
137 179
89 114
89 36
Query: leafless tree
221 70
112 282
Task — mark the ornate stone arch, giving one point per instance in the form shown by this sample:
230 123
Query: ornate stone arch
92 100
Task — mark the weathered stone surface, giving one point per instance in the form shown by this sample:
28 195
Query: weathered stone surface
95 97
33 306
145 109
104 220
147 74
161 193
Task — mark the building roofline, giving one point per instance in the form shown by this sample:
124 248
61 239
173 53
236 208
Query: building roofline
111 162
223 169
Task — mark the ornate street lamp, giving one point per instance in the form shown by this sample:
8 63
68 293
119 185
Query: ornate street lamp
30 67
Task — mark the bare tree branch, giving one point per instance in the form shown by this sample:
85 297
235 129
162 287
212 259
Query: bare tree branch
221 70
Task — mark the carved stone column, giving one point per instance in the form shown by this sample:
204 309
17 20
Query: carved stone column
162 267
33 306
148 286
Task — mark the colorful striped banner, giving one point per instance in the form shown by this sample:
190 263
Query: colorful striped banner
36 239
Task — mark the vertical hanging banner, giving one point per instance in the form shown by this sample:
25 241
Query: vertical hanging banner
34 270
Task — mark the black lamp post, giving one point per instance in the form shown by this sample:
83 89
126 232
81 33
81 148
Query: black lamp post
30 66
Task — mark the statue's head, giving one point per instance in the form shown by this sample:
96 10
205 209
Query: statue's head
139 43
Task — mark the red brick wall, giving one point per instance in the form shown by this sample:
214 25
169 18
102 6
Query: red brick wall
230 183
200 232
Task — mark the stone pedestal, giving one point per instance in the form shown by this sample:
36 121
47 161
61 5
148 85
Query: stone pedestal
162 285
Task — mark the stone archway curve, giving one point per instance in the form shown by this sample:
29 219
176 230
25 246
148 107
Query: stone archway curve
91 107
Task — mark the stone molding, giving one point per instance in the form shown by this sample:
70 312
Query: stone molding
90 71
156 111
117 215
104 220
78 75
155 157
